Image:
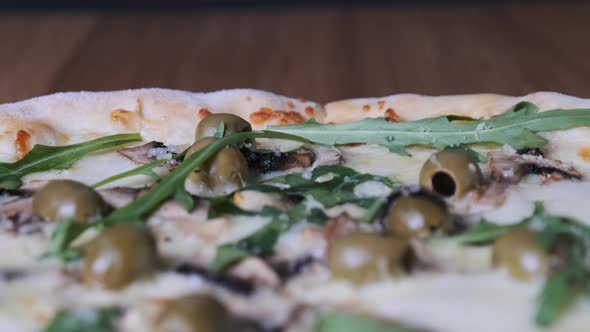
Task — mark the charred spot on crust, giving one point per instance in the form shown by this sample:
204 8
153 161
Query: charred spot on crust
532 151
235 284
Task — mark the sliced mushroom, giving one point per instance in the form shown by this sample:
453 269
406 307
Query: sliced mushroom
509 167
146 153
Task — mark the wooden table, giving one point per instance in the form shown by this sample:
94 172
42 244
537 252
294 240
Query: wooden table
321 54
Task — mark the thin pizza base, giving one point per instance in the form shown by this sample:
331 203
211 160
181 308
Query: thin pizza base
457 301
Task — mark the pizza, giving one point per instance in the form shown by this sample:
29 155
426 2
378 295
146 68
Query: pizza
241 210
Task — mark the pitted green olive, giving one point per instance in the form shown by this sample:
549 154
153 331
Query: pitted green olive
66 199
232 124
519 252
417 216
194 313
223 173
365 257
451 173
120 255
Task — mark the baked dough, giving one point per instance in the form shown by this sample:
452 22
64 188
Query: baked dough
168 116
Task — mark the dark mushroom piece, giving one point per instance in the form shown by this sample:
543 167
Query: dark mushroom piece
451 173
232 124
417 215
120 255
68 200
520 254
223 173
194 313
365 257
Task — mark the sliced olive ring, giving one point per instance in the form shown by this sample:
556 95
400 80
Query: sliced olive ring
232 124
66 199
194 313
519 252
222 174
451 173
366 257
416 214
120 255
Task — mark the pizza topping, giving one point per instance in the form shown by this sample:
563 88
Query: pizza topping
222 174
100 319
342 322
291 268
516 127
120 255
232 124
223 279
201 313
17 217
44 158
366 257
565 245
269 161
141 154
21 143
451 173
68 200
519 252
417 215
510 167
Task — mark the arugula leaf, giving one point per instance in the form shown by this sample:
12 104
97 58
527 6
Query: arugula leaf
516 127
338 188
64 233
220 130
44 158
146 169
340 322
184 198
484 232
95 320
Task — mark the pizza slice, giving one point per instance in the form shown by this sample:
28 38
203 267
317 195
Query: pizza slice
241 210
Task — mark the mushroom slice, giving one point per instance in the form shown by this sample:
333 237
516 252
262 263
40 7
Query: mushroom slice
510 167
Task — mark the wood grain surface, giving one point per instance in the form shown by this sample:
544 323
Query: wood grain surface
317 53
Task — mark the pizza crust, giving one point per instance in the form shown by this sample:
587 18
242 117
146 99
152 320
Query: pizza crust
408 107
168 116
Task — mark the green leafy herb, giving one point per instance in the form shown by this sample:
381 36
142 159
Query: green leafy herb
516 127
184 198
337 188
220 130
44 158
95 320
340 322
484 232
146 169
64 233
166 188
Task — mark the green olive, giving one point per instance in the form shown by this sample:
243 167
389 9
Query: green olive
232 124
365 257
120 255
222 173
66 199
194 313
451 173
417 216
519 252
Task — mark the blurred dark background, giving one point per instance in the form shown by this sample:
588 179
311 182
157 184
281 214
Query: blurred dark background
320 50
